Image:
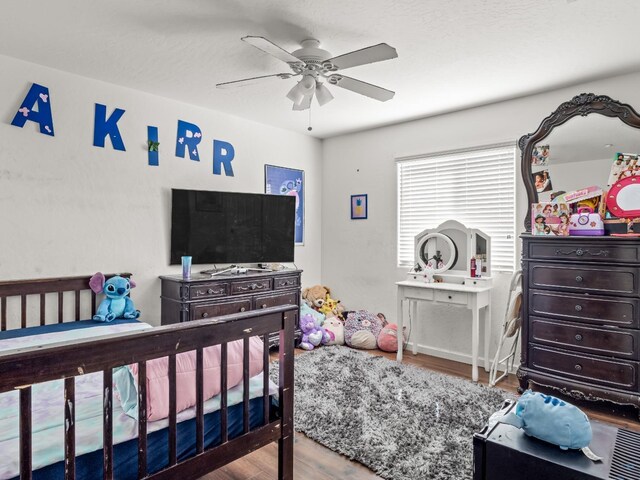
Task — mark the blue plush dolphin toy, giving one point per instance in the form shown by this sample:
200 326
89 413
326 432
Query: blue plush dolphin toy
552 420
116 304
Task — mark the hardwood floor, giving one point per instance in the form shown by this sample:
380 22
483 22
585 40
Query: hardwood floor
315 462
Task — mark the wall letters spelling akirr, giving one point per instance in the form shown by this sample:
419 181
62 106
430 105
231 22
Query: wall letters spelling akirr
36 107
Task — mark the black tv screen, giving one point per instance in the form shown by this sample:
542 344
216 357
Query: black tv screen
226 227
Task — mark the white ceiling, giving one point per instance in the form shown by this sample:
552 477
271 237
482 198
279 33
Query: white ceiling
452 54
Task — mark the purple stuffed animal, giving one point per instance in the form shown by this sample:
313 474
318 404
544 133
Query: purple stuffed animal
312 334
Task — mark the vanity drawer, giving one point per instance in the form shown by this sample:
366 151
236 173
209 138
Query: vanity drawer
267 301
583 252
611 280
250 286
599 341
617 373
199 312
208 290
621 312
445 296
285 282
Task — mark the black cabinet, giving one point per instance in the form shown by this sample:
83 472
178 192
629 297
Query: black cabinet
206 296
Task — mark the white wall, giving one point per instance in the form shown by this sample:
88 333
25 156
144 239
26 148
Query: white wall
359 256
69 208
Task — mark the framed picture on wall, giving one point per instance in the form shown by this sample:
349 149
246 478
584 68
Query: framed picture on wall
359 207
287 181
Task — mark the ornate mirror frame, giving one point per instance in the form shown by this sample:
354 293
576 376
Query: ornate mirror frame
580 105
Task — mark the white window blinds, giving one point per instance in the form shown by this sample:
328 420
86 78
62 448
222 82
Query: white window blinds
475 187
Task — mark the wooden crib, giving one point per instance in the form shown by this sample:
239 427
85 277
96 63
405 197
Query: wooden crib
21 368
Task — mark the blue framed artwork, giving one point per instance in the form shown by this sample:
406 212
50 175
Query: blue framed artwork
287 181
359 207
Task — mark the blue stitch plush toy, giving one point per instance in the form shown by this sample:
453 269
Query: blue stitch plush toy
116 304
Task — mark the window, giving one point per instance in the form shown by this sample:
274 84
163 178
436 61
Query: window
475 187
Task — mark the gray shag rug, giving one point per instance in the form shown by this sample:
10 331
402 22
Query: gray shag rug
401 421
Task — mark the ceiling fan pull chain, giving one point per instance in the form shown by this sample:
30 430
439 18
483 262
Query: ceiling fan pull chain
309 128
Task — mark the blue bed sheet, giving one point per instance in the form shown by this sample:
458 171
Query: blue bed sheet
60 327
89 466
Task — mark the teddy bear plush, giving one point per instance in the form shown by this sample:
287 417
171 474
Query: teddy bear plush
315 296
116 303
335 328
306 309
313 335
361 329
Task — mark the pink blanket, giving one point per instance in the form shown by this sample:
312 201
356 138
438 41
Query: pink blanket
158 376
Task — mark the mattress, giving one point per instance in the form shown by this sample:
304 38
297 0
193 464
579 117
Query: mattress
48 414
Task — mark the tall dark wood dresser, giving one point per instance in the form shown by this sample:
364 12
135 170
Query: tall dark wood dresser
581 318
206 296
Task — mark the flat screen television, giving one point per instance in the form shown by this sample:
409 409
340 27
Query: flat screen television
227 227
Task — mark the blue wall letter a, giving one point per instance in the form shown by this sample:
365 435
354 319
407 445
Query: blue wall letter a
40 95
188 137
104 126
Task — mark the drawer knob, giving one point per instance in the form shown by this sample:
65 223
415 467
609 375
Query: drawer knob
578 308
264 305
579 252
243 309
579 279
578 367
205 315
450 297
578 337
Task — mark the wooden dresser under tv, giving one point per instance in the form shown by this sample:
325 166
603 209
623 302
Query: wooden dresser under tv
581 317
207 296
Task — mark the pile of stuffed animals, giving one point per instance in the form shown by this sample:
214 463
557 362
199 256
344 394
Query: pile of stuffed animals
324 321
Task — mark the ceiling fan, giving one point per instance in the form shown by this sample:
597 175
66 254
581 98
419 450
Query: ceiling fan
314 64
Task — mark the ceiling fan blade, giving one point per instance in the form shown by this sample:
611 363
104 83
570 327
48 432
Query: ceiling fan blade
305 104
363 88
249 81
372 54
267 46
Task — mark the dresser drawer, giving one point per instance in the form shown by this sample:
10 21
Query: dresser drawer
614 373
598 341
621 312
583 251
199 312
609 280
208 290
267 301
450 297
250 286
285 282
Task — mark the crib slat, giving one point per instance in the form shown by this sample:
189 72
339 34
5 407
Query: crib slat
3 313
25 433
265 377
43 311
199 401
70 428
245 385
172 411
60 306
93 303
142 420
107 424
77 300
23 311
223 393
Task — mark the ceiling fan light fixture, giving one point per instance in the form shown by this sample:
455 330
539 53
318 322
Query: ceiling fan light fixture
302 89
323 94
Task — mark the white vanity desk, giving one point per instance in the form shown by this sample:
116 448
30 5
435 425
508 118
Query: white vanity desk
474 298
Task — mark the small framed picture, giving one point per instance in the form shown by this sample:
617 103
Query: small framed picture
359 207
